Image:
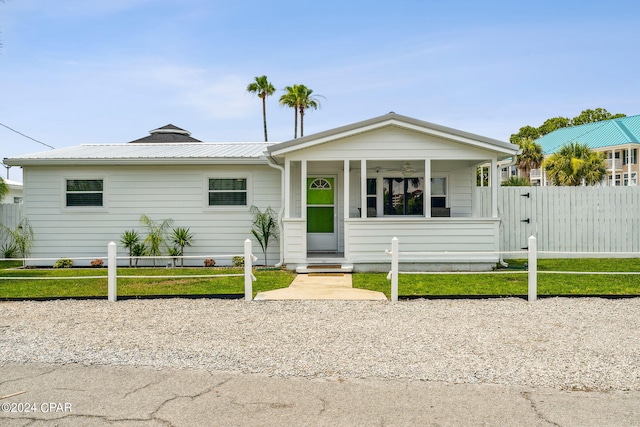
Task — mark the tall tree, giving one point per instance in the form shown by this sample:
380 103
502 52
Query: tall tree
300 98
262 88
529 157
290 99
574 164
4 188
306 100
554 123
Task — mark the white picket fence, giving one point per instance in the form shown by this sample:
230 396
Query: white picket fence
567 219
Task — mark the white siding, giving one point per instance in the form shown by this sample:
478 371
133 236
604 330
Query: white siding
368 239
390 143
160 192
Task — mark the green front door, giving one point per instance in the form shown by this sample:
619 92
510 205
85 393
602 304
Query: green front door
321 228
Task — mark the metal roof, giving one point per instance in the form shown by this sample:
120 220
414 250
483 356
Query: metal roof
393 119
606 133
161 153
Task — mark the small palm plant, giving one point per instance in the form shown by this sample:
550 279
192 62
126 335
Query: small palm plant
181 237
156 235
265 228
129 239
138 250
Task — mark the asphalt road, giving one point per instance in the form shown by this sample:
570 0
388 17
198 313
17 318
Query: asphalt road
77 395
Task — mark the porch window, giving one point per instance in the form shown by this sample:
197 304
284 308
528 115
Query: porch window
403 196
227 192
438 192
84 192
630 159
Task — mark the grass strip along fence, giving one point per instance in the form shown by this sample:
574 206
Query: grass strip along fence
139 282
530 277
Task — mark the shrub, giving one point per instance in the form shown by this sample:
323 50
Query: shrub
97 263
63 263
238 261
209 262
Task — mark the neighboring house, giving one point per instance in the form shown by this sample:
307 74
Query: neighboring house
618 139
341 195
15 192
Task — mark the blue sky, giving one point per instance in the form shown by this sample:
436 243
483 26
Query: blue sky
89 71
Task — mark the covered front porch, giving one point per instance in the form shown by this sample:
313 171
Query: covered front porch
428 204
348 191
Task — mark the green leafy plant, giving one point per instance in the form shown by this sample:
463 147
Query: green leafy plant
265 228
18 241
237 261
63 263
156 235
174 253
138 250
516 181
129 239
181 237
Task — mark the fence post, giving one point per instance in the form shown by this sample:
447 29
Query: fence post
533 269
248 274
394 269
112 266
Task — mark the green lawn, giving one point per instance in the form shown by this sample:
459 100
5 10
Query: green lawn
507 283
65 285
504 283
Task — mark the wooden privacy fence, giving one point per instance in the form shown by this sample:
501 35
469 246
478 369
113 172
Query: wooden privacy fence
567 219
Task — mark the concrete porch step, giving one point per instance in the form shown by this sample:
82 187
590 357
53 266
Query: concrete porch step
324 268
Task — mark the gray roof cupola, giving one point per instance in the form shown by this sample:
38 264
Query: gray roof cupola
166 134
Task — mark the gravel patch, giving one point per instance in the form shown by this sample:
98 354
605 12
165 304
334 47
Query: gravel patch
572 344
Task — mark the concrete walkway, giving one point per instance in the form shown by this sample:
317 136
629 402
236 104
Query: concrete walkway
321 286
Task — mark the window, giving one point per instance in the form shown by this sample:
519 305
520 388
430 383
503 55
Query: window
439 192
84 192
372 201
228 192
630 159
634 179
403 196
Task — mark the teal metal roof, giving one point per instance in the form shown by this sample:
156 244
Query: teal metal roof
606 133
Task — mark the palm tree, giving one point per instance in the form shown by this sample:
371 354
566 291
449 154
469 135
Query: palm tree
300 98
4 188
265 228
574 164
529 157
156 235
263 88
181 237
290 99
306 100
129 239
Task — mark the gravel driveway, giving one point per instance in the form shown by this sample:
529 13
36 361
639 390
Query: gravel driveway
573 344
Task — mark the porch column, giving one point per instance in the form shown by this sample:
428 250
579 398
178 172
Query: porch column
426 195
613 168
494 183
287 188
629 166
346 189
363 188
303 189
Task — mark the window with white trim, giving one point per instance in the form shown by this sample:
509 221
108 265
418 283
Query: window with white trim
84 193
228 192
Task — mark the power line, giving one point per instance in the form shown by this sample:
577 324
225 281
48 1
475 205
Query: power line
27 136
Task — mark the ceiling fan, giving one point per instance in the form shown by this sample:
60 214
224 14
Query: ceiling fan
406 169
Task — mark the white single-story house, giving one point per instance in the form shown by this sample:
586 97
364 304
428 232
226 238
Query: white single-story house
341 195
